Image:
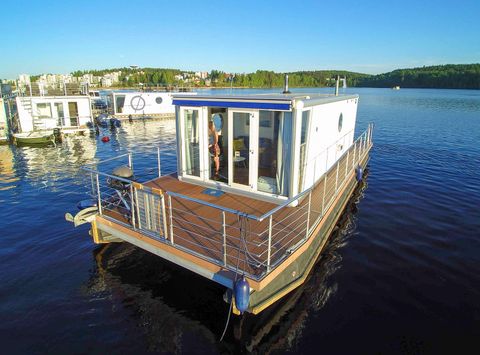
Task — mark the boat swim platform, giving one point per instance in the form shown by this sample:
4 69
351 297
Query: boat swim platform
275 253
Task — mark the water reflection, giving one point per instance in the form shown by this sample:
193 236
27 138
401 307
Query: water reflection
177 309
52 166
8 177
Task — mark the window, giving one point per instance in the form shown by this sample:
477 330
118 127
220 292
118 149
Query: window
191 136
119 103
305 117
274 152
60 113
158 100
340 122
303 147
44 110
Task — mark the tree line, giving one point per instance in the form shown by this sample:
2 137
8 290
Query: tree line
455 76
450 76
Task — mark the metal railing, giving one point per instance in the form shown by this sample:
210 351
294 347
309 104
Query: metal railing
233 239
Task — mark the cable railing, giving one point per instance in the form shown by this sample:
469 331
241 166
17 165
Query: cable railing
233 239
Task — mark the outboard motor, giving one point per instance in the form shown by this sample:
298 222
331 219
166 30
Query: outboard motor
101 120
122 199
57 133
123 172
115 123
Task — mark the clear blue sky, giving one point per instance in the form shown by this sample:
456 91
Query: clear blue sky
236 36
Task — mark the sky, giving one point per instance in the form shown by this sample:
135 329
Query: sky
236 36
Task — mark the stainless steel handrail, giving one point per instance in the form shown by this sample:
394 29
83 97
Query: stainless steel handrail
109 159
108 175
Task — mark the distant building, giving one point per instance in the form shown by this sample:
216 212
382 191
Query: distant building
106 81
201 74
24 79
5 89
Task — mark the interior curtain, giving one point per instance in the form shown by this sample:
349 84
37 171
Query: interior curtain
284 148
191 141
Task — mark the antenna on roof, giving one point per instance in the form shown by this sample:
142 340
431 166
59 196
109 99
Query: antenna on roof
285 87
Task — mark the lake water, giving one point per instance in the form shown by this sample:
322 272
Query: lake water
401 273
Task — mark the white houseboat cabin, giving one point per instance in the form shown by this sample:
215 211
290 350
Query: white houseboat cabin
68 113
139 104
272 147
3 121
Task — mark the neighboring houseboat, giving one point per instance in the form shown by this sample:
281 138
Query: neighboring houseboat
3 121
44 113
142 104
261 183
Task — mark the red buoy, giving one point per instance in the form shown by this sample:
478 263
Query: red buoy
105 139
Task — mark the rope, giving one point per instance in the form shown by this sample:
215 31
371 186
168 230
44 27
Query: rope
234 282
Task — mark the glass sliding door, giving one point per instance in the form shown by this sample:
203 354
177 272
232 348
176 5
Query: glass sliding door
243 140
303 148
191 142
274 152
60 114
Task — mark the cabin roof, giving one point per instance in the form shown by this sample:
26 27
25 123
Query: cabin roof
283 102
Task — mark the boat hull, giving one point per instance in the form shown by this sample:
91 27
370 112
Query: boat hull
34 140
295 274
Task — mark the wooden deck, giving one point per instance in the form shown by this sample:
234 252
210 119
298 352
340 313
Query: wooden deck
199 228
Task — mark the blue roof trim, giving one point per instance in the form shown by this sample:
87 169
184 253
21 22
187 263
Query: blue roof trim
235 104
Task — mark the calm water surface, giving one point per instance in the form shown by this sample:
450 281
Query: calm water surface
401 273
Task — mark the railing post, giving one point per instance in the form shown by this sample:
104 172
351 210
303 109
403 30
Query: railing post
224 235
354 154
99 198
134 203
324 193
362 142
92 183
164 215
130 162
346 164
308 214
336 177
146 210
269 242
158 160
171 218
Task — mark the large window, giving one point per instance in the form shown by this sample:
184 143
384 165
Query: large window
274 152
119 103
191 136
60 113
303 147
44 110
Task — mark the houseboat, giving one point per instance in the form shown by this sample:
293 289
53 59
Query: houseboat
70 113
3 122
139 104
261 181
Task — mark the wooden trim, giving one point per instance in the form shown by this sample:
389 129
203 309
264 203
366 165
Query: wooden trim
170 249
157 191
95 236
137 185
